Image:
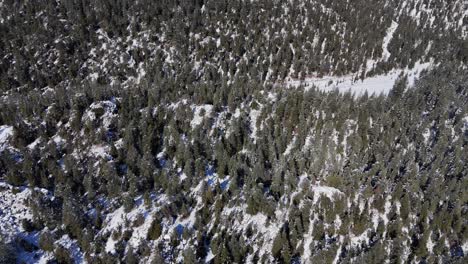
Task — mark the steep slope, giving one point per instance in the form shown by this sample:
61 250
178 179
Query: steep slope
170 132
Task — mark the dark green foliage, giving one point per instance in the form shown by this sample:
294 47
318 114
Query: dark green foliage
46 242
155 230
62 255
106 136
130 257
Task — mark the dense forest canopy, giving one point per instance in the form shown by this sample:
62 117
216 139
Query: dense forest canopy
167 132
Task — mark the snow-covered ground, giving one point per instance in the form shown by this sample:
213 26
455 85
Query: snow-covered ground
254 114
13 210
380 84
199 113
387 38
5 133
327 191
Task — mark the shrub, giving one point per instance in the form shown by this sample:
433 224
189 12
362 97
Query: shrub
46 242
62 255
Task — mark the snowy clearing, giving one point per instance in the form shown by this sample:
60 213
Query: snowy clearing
380 84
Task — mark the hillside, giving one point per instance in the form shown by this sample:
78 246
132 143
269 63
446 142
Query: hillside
246 131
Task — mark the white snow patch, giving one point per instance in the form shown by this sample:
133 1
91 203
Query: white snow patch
6 132
209 256
426 135
388 208
327 191
59 141
465 123
199 113
307 143
387 39
380 84
307 242
430 244
273 97
357 240
237 113
465 247
375 218
34 144
183 176
290 147
13 210
119 143
254 114
100 151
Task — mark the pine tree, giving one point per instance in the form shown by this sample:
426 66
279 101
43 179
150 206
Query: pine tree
155 230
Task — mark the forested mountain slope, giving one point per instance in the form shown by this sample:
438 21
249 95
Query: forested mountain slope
56 42
191 132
